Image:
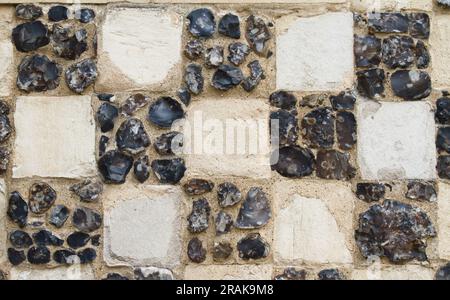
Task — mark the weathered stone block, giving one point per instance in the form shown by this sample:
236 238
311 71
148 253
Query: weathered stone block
396 140
315 53
6 52
439 52
228 272
444 221
55 137
143 226
406 272
75 272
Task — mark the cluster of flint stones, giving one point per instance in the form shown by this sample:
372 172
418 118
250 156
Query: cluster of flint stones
202 26
442 117
399 52
255 212
38 73
295 274
43 245
318 129
5 133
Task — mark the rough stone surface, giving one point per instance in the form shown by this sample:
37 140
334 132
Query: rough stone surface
60 273
131 137
81 75
370 192
253 247
71 124
393 131
114 166
371 82
443 227
294 162
228 272
406 272
367 51
332 164
38 73
196 252
86 219
255 211
439 51
199 217
422 191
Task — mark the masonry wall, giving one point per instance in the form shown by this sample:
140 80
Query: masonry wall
288 139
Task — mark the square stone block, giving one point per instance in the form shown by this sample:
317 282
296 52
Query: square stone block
3 234
55 137
396 140
228 137
315 53
228 272
143 226
439 36
444 221
75 272
313 222
406 272
139 55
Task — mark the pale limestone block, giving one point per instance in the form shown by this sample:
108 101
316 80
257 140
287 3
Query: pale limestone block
228 272
406 272
75 272
440 47
444 221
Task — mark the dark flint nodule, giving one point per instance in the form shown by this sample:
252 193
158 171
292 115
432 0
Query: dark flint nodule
16 257
388 22
65 257
255 211
318 128
229 25
81 75
106 115
196 187
102 145
283 100
87 255
133 104
164 112
346 130
17 209
398 51
95 240
223 222
294 162
169 171
214 57
422 55
443 139
370 192
330 274
256 75
78 239
286 123
442 114
344 101
4 108
411 84
443 273
68 44
226 77
395 230
38 255
194 49
46 238
37 74
237 53
199 217
257 34
20 239
4 159
228 194
422 191
115 276
5 128
195 251
141 169
30 36
88 190
58 13
131 137
86 220
222 251
184 95
201 23
106 97
443 166
193 78
152 274
28 11
169 143
85 15
291 274
58 216
253 246
367 50
335 165
371 82
419 25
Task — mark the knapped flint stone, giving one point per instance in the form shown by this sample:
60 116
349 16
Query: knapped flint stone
443 139
20 239
184 95
37 74
164 112
332 164
197 186
222 251
256 75
253 246
66 44
423 56
38 255
46 238
78 239
228 194
131 137
419 25
152 273
86 220
346 130
17 209
395 230
411 84
229 25
199 217
16 257
81 75
169 171
194 49
169 143
257 34
141 169
443 273
291 274
285 124
65 257
58 216
85 15
30 36
388 22
201 23
237 53
28 11
106 115
398 51
195 251
223 222
370 192
193 78
442 115
41 197
283 100
367 50
114 166
294 162
214 56
443 166
87 255
58 13
95 240
115 276
318 128
106 97
4 159
226 77
5 128
133 104
344 101
330 274
4 107
255 211
422 191
102 145
371 82
88 190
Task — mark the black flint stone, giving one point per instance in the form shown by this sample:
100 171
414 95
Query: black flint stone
443 166
169 171
184 95
17 209
237 53
443 273
37 74
370 192
28 11
411 84
228 194
105 97
87 255
20 239
78 239
68 45
30 36
422 191
4 159
58 13
42 197
115 166
85 15
283 100
131 137
86 219
257 34
398 51
223 222
388 22
330 274
201 23
371 82
199 217
194 49
196 187
195 251
335 165
141 169
419 25
253 246
442 115
102 144
88 190
164 112
5 128
169 143
293 162
229 25
81 75
16 257
46 238
59 215
4 108
115 276
346 130
133 104
222 251
38 255
343 101
193 78
65 257
255 211
318 128
423 56
291 274
443 139
256 75
367 50
95 240
226 77
285 124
